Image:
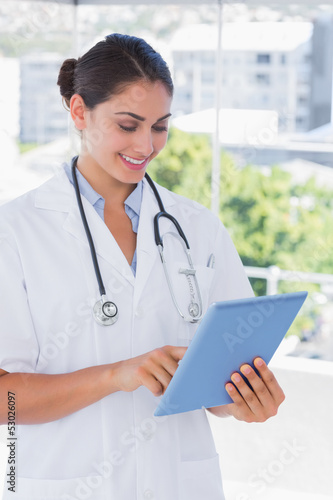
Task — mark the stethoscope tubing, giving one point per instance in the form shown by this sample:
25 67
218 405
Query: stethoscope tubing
163 213
87 230
99 306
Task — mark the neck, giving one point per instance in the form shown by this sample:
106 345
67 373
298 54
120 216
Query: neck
112 190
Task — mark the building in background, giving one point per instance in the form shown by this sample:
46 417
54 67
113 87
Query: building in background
265 66
322 72
42 116
9 116
285 67
9 96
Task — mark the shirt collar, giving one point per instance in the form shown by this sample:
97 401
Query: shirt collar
85 188
133 201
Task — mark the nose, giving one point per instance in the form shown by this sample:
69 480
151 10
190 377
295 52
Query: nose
144 143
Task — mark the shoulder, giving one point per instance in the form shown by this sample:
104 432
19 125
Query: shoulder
11 210
23 208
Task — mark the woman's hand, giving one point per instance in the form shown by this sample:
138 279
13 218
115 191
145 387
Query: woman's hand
255 405
262 402
154 370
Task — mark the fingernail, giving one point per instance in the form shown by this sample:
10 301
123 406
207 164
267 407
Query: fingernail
229 387
259 362
236 377
246 370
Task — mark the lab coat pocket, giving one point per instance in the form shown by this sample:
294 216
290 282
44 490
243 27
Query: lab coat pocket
200 480
205 277
58 489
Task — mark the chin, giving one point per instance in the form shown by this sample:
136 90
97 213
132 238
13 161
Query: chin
132 177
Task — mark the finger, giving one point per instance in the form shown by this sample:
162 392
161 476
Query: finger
268 406
162 357
270 381
148 380
240 409
162 366
176 352
162 376
247 393
258 386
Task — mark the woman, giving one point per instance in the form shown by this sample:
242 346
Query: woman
89 391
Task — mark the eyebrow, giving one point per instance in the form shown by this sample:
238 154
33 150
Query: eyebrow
140 118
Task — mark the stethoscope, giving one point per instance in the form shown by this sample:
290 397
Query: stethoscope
106 312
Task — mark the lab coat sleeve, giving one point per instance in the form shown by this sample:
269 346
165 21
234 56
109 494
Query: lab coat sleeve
18 342
230 281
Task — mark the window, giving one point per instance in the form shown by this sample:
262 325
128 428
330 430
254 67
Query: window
263 58
307 59
300 120
302 99
207 57
263 79
208 76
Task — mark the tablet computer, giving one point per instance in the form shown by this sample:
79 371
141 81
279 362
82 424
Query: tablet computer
230 334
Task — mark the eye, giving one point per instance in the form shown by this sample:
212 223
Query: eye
127 129
160 128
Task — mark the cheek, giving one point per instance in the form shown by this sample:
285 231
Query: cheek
115 141
103 133
93 139
160 142
97 134
106 126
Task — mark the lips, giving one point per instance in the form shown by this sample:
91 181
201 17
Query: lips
133 163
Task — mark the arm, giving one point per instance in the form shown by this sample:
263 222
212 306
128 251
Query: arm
43 398
252 406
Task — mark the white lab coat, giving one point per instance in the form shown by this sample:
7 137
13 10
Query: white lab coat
114 449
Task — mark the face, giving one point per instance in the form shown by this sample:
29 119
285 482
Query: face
122 135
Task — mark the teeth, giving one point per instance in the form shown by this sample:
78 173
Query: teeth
131 160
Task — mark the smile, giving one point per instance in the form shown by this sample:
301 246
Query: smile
132 160
132 163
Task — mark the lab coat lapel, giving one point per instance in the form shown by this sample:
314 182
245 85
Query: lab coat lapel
105 244
147 251
58 194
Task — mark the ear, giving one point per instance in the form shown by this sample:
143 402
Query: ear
78 112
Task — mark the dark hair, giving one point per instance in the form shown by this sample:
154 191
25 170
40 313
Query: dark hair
109 67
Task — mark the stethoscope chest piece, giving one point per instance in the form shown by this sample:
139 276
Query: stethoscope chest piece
105 312
194 309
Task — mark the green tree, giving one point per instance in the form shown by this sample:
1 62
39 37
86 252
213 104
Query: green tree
271 220
184 166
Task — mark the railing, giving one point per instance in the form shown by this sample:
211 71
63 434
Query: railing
274 274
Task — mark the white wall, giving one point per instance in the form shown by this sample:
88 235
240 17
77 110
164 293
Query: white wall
289 457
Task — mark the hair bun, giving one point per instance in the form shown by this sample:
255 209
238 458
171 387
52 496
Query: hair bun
66 79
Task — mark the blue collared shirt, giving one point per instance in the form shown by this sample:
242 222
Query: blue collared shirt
132 203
